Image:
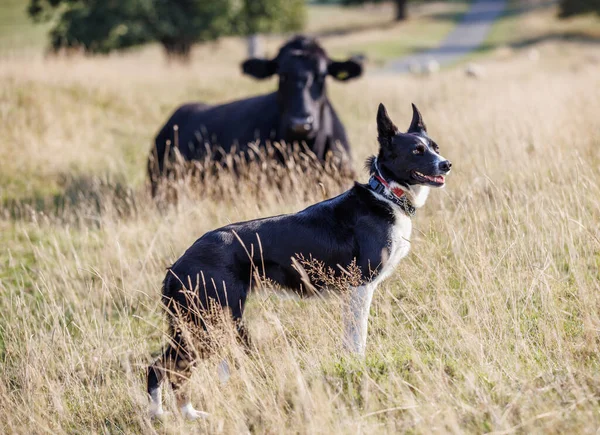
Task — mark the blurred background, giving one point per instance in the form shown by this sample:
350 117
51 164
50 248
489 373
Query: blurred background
489 325
178 48
179 26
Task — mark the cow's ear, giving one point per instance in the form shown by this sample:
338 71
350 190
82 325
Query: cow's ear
386 129
347 70
417 125
259 68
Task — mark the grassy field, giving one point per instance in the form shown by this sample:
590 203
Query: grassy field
527 23
491 324
379 38
17 33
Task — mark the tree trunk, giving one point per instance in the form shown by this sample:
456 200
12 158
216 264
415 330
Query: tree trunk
178 51
255 48
400 10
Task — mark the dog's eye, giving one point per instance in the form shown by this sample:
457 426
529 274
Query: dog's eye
420 149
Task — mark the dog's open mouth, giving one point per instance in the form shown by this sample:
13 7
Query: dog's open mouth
433 180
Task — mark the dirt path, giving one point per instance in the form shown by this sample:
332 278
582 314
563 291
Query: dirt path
468 35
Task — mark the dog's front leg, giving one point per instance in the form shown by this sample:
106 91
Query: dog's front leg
356 318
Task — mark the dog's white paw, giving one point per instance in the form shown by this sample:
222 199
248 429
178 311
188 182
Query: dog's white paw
156 408
158 414
189 413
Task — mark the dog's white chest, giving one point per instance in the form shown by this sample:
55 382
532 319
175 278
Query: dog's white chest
399 245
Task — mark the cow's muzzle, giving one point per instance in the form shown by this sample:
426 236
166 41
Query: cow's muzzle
302 125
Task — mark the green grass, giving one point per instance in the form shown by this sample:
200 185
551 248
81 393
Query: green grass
332 19
506 28
17 30
426 28
392 46
527 23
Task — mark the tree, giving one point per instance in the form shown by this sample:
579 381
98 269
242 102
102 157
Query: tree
95 26
400 14
178 24
400 10
100 26
269 16
569 8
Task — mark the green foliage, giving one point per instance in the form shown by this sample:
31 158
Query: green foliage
569 8
100 26
359 2
265 16
181 23
400 6
96 27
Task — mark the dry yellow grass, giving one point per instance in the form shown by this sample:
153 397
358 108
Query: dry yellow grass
490 325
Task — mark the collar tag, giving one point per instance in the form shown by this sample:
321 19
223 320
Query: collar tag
398 192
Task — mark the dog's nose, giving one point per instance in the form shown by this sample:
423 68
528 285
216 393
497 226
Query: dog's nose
445 165
302 124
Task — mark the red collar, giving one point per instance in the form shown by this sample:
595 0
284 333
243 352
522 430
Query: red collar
395 190
378 185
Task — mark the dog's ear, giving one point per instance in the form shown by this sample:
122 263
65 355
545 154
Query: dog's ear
259 68
417 125
386 129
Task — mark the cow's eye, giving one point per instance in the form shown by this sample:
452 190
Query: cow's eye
420 150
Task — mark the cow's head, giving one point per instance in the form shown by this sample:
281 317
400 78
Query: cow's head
302 66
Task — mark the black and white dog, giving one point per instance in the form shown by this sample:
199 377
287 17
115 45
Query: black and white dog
369 225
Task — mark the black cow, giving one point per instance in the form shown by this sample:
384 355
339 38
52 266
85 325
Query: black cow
299 111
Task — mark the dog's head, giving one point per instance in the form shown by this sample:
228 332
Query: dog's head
410 158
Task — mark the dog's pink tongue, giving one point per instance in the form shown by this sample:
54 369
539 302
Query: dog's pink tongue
435 178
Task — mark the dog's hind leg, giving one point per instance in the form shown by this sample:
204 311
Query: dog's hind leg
182 363
164 367
156 375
